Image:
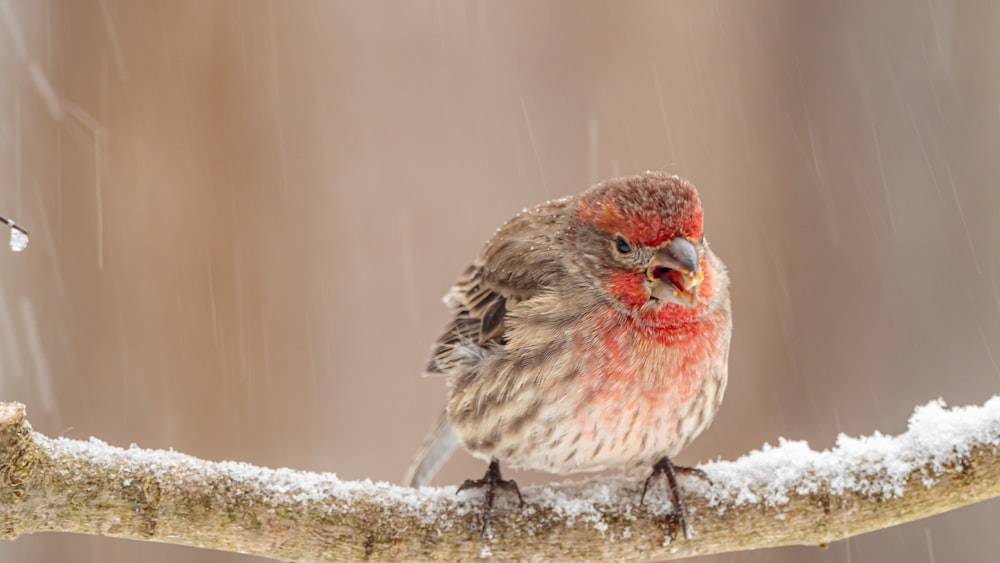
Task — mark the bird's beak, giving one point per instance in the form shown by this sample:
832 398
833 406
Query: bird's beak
675 272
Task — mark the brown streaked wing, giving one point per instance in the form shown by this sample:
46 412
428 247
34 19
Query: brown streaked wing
507 272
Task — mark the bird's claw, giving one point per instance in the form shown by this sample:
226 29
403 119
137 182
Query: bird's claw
491 482
693 472
665 467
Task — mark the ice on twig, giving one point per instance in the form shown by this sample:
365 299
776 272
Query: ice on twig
18 236
18 239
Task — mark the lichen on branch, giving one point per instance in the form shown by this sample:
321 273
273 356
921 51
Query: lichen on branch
783 495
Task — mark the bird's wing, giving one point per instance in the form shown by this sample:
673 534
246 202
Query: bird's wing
479 315
515 266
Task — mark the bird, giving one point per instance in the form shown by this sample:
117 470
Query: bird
591 332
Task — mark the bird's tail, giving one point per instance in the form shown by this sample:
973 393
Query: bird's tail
438 447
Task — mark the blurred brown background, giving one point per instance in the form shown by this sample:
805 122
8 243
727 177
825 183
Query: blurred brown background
244 214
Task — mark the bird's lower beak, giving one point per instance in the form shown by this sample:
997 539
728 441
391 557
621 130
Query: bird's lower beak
675 272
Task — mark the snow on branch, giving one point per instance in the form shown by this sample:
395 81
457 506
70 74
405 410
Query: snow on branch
782 495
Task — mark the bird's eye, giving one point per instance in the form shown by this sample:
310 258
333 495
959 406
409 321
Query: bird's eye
622 245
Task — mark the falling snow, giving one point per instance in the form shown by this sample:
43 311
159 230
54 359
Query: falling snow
151 149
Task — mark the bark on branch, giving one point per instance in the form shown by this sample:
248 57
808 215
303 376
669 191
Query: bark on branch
785 495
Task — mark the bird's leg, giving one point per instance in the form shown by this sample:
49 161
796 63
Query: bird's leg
491 481
667 468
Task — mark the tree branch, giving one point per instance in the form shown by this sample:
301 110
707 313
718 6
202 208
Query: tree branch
784 495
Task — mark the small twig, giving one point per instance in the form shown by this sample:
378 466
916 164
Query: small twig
13 225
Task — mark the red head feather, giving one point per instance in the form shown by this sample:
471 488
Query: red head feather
648 209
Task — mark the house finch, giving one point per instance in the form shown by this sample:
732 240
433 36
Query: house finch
592 332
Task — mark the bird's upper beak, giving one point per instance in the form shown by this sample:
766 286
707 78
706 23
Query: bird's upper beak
675 272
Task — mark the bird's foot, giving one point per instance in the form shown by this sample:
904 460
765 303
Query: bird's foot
491 482
665 467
